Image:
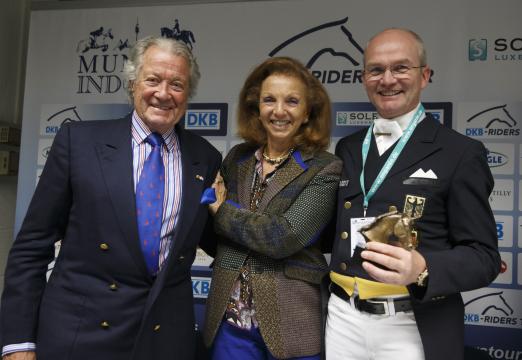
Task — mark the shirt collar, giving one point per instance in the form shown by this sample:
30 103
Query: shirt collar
140 131
404 119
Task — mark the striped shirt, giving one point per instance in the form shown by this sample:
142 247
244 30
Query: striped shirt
171 155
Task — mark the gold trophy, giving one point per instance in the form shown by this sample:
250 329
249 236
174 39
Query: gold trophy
396 228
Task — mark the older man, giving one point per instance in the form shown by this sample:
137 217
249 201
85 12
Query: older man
124 197
403 302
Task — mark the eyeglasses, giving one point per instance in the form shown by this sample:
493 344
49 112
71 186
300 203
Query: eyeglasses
399 71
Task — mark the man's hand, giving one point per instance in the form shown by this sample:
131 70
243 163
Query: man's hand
403 266
20 355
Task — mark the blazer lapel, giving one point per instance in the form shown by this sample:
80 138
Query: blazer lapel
420 145
192 187
115 156
245 176
352 163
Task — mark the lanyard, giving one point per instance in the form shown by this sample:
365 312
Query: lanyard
419 115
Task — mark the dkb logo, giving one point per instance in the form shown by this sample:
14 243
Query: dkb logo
200 286
206 119
202 119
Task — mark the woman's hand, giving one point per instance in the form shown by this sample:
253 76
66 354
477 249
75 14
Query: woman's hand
221 194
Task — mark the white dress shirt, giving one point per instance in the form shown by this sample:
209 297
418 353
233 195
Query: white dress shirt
388 131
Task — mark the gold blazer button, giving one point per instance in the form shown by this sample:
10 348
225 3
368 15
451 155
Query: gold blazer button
347 204
105 324
113 287
157 327
104 246
343 266
344 235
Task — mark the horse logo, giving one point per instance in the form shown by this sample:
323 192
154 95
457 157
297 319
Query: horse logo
496 114
492 304
338 41
65 115
122 45
175 33
97 40
45 152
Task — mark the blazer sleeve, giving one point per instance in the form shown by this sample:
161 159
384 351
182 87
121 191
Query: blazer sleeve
281 235
33 249
471 260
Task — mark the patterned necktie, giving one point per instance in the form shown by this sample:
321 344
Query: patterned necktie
149 203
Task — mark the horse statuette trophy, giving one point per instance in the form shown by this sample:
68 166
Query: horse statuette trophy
396 228
392 228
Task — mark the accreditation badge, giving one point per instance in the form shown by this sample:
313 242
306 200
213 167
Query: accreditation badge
355 226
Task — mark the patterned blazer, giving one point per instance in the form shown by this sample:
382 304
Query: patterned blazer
282 241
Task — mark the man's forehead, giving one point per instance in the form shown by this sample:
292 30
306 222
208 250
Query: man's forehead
393 34
395 47
165 61
158 53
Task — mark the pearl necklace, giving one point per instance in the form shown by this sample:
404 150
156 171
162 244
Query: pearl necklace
277 160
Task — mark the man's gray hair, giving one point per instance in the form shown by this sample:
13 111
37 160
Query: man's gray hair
133 65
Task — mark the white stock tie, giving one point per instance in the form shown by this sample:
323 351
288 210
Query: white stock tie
386 132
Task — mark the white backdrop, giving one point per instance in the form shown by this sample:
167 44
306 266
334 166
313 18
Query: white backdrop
75 58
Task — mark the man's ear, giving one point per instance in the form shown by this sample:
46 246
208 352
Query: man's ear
426 74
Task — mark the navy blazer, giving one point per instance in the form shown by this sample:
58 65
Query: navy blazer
457 230
100 302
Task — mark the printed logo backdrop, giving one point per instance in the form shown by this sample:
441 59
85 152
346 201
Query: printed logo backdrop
74 73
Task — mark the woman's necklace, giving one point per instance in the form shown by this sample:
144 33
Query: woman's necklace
276 160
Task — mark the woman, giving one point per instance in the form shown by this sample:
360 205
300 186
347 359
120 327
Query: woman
281 185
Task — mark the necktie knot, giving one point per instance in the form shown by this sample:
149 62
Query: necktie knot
387 127
154 139
387 132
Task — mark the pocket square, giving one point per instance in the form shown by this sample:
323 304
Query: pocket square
421 181
208 197
420 173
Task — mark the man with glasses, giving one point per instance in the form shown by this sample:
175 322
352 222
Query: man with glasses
414 224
